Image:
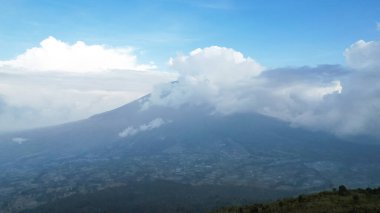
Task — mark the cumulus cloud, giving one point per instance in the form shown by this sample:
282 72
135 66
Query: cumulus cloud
33 96
231 83
206 75
130 131
364 56
56 55
219 66
344 100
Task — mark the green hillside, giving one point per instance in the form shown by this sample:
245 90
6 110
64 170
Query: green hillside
341 200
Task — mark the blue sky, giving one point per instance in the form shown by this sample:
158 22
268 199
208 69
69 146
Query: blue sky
47 77
276 33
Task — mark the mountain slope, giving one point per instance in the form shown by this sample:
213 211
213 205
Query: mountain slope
188 145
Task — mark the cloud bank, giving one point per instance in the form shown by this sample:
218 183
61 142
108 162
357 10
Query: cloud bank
130 131
344 100
58 82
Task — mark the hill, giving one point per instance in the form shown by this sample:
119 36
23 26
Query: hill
336 201
159 197
171 197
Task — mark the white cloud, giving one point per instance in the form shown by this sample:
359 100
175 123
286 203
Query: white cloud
56 55
33 97
19 140
364 56
218 66
330 98
130 131
207 75
378 26
232 83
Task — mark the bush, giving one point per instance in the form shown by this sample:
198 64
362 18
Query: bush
342 190
355 198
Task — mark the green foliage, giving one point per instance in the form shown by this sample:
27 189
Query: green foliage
335 201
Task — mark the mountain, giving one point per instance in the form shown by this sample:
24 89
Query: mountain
187 145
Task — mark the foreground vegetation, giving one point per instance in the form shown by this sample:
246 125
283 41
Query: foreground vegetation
171 197
337 200
159 197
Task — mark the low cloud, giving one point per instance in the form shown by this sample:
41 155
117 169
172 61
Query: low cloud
343 100
19 140
230 82
12 116
130 131
46 93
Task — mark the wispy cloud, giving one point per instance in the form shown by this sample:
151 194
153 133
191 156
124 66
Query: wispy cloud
131 130
19 140
214 5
